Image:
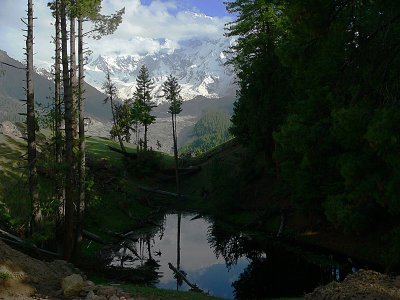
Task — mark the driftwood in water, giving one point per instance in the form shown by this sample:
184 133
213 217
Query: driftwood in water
160 192
126 154
178 273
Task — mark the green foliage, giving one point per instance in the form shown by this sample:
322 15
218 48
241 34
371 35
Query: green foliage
318 99
5 276
172 90
146 163
123 120
225 184
210 131
142 103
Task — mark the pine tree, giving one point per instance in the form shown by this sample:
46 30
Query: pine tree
172 90
111 91
144 87
88 10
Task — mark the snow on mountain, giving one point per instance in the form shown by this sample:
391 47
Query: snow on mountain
198 65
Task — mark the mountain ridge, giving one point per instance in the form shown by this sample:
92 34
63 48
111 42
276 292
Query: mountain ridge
12 83
199 65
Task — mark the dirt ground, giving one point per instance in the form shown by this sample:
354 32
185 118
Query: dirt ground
23 277
364 284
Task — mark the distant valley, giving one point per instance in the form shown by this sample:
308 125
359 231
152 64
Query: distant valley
207 85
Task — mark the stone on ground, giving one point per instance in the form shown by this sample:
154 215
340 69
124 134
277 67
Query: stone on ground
72 285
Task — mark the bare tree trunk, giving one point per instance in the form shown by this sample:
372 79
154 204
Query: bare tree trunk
82 158
69 138
145 137
57 125
174 136
57 88
73 79
178 252
31 124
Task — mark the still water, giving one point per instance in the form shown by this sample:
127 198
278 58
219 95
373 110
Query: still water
220 261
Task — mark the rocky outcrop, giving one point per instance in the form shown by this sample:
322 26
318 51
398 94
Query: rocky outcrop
23 277
8 128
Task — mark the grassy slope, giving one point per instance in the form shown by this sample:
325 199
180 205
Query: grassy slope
109 210
13 195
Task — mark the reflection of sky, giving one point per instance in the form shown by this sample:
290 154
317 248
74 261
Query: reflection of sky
197 258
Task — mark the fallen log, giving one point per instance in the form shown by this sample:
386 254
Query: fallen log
93 237
126 154
160 192
20 242
14 237
178 273
182 171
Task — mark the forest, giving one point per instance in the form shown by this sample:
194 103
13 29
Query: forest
318 111
306 169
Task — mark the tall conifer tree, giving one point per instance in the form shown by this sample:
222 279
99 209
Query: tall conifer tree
172 90
144 87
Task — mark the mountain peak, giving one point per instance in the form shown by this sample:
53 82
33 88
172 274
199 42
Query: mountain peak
199 65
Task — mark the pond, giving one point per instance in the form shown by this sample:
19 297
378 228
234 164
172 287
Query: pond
220 261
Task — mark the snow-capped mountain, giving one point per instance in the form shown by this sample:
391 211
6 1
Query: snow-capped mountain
198 64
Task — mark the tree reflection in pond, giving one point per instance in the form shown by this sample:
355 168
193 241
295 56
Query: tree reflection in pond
222 260
276 269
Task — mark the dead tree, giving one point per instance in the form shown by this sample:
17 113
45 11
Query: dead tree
31 124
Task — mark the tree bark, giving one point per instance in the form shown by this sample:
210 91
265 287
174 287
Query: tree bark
178 248
58 115
82 158
73 79
69 138
31 125
175 152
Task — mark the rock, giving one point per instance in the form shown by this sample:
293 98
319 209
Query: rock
90 296
89 283
8 128
106 291
113 297
72 285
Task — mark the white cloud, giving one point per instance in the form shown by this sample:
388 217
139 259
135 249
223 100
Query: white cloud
144 29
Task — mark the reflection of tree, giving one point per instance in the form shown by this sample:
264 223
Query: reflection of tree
131 259
277 269
231 244
179 280
279 275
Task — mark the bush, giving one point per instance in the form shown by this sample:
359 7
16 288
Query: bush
145 164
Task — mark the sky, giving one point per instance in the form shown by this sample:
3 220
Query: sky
147 27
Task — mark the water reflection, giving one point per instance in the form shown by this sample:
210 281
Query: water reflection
276 269
220 260
182 242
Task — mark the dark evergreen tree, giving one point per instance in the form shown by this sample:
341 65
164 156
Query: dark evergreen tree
172 90
144 87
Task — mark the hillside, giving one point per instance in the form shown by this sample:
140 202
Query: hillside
11 91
